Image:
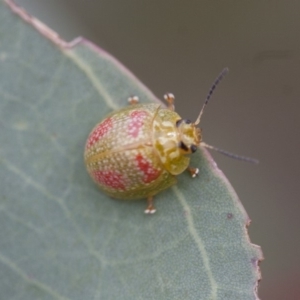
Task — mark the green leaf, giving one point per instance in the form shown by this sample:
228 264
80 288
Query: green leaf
60 237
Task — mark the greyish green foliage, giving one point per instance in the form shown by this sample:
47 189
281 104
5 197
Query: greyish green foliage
60 237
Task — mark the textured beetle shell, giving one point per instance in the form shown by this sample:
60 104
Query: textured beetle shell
120 154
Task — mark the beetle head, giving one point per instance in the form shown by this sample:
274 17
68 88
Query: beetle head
189 136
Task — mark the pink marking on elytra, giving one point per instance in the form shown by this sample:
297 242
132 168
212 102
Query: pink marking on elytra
99 132
150 173
137 118
111 179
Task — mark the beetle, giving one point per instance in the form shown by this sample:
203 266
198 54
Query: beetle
138 151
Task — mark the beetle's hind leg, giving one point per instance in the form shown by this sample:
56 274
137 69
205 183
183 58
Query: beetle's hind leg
193 171
170 98
133 100
150 206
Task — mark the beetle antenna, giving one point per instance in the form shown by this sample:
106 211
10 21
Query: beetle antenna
211 91
232 155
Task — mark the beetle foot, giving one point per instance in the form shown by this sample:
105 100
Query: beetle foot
150 211
194 171
133 100
150 208
170 98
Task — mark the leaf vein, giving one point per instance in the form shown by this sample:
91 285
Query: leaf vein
29 280
60 201
92 76
198 241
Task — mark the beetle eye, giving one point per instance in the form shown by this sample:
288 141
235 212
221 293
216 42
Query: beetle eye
194 148
188 121
183 146
178 122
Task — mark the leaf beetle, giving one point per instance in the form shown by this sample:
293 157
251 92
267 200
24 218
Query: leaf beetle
138 151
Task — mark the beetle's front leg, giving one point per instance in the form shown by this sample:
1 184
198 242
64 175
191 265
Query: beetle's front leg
193 171
170 98
133 100
150 207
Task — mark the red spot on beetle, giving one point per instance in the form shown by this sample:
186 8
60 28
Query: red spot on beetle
99 132
111 179
137 118
150 173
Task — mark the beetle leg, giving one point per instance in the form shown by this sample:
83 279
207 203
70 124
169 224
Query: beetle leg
150 207
193 171
170 99
133 100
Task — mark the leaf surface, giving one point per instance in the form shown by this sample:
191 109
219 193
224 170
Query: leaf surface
60 237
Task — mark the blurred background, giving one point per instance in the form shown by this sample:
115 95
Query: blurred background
180 47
